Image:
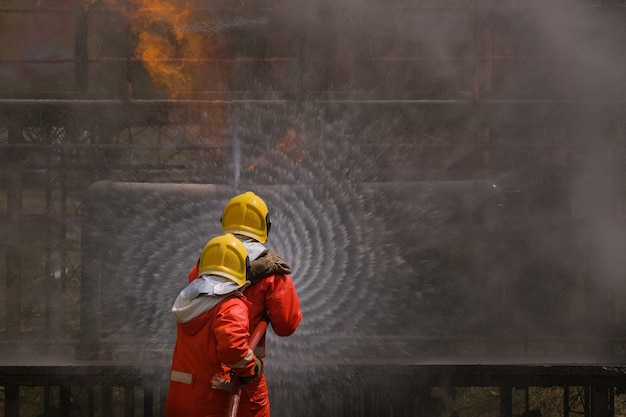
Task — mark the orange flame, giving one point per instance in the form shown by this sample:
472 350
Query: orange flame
289 145
163 49
174 57
176 53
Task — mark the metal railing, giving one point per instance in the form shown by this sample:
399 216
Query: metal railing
339 388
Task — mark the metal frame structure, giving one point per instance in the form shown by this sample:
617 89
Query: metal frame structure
143 390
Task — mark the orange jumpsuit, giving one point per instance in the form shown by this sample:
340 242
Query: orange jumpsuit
272 297
198 380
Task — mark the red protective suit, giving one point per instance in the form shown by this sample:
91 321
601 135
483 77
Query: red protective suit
203 344
274 297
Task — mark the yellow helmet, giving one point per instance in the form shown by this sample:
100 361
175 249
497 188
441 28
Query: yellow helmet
227 257
247 214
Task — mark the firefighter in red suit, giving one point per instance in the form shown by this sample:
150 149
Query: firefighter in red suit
272 293
212 333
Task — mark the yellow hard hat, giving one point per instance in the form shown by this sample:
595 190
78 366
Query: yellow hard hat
227 257
247 214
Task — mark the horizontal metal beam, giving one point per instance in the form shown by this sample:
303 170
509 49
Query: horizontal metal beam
479 375
493 112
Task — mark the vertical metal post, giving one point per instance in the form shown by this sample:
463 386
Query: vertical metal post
475 51
107 401
81 61
91 401
48 269
301 56
129 401
506 401
600 401
566 408
163 398
47 407
14 170
12 401
148 400
89 346
65 400
526 400
63 238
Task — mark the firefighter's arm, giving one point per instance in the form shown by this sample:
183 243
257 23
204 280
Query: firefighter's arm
283 306
231 331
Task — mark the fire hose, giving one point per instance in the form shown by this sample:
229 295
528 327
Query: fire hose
256 335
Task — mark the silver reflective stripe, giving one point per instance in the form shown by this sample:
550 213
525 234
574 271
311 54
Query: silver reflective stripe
184 377
244 362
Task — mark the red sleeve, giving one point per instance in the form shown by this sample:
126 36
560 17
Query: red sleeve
283 306
193 272
232 334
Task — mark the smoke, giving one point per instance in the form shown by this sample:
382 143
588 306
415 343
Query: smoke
213 28
583 42
376 203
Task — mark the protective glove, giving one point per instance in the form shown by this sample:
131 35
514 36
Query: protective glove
268 263
245 380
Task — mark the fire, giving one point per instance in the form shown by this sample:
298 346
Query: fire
174 57
177 53
156 51
164 50
290 145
